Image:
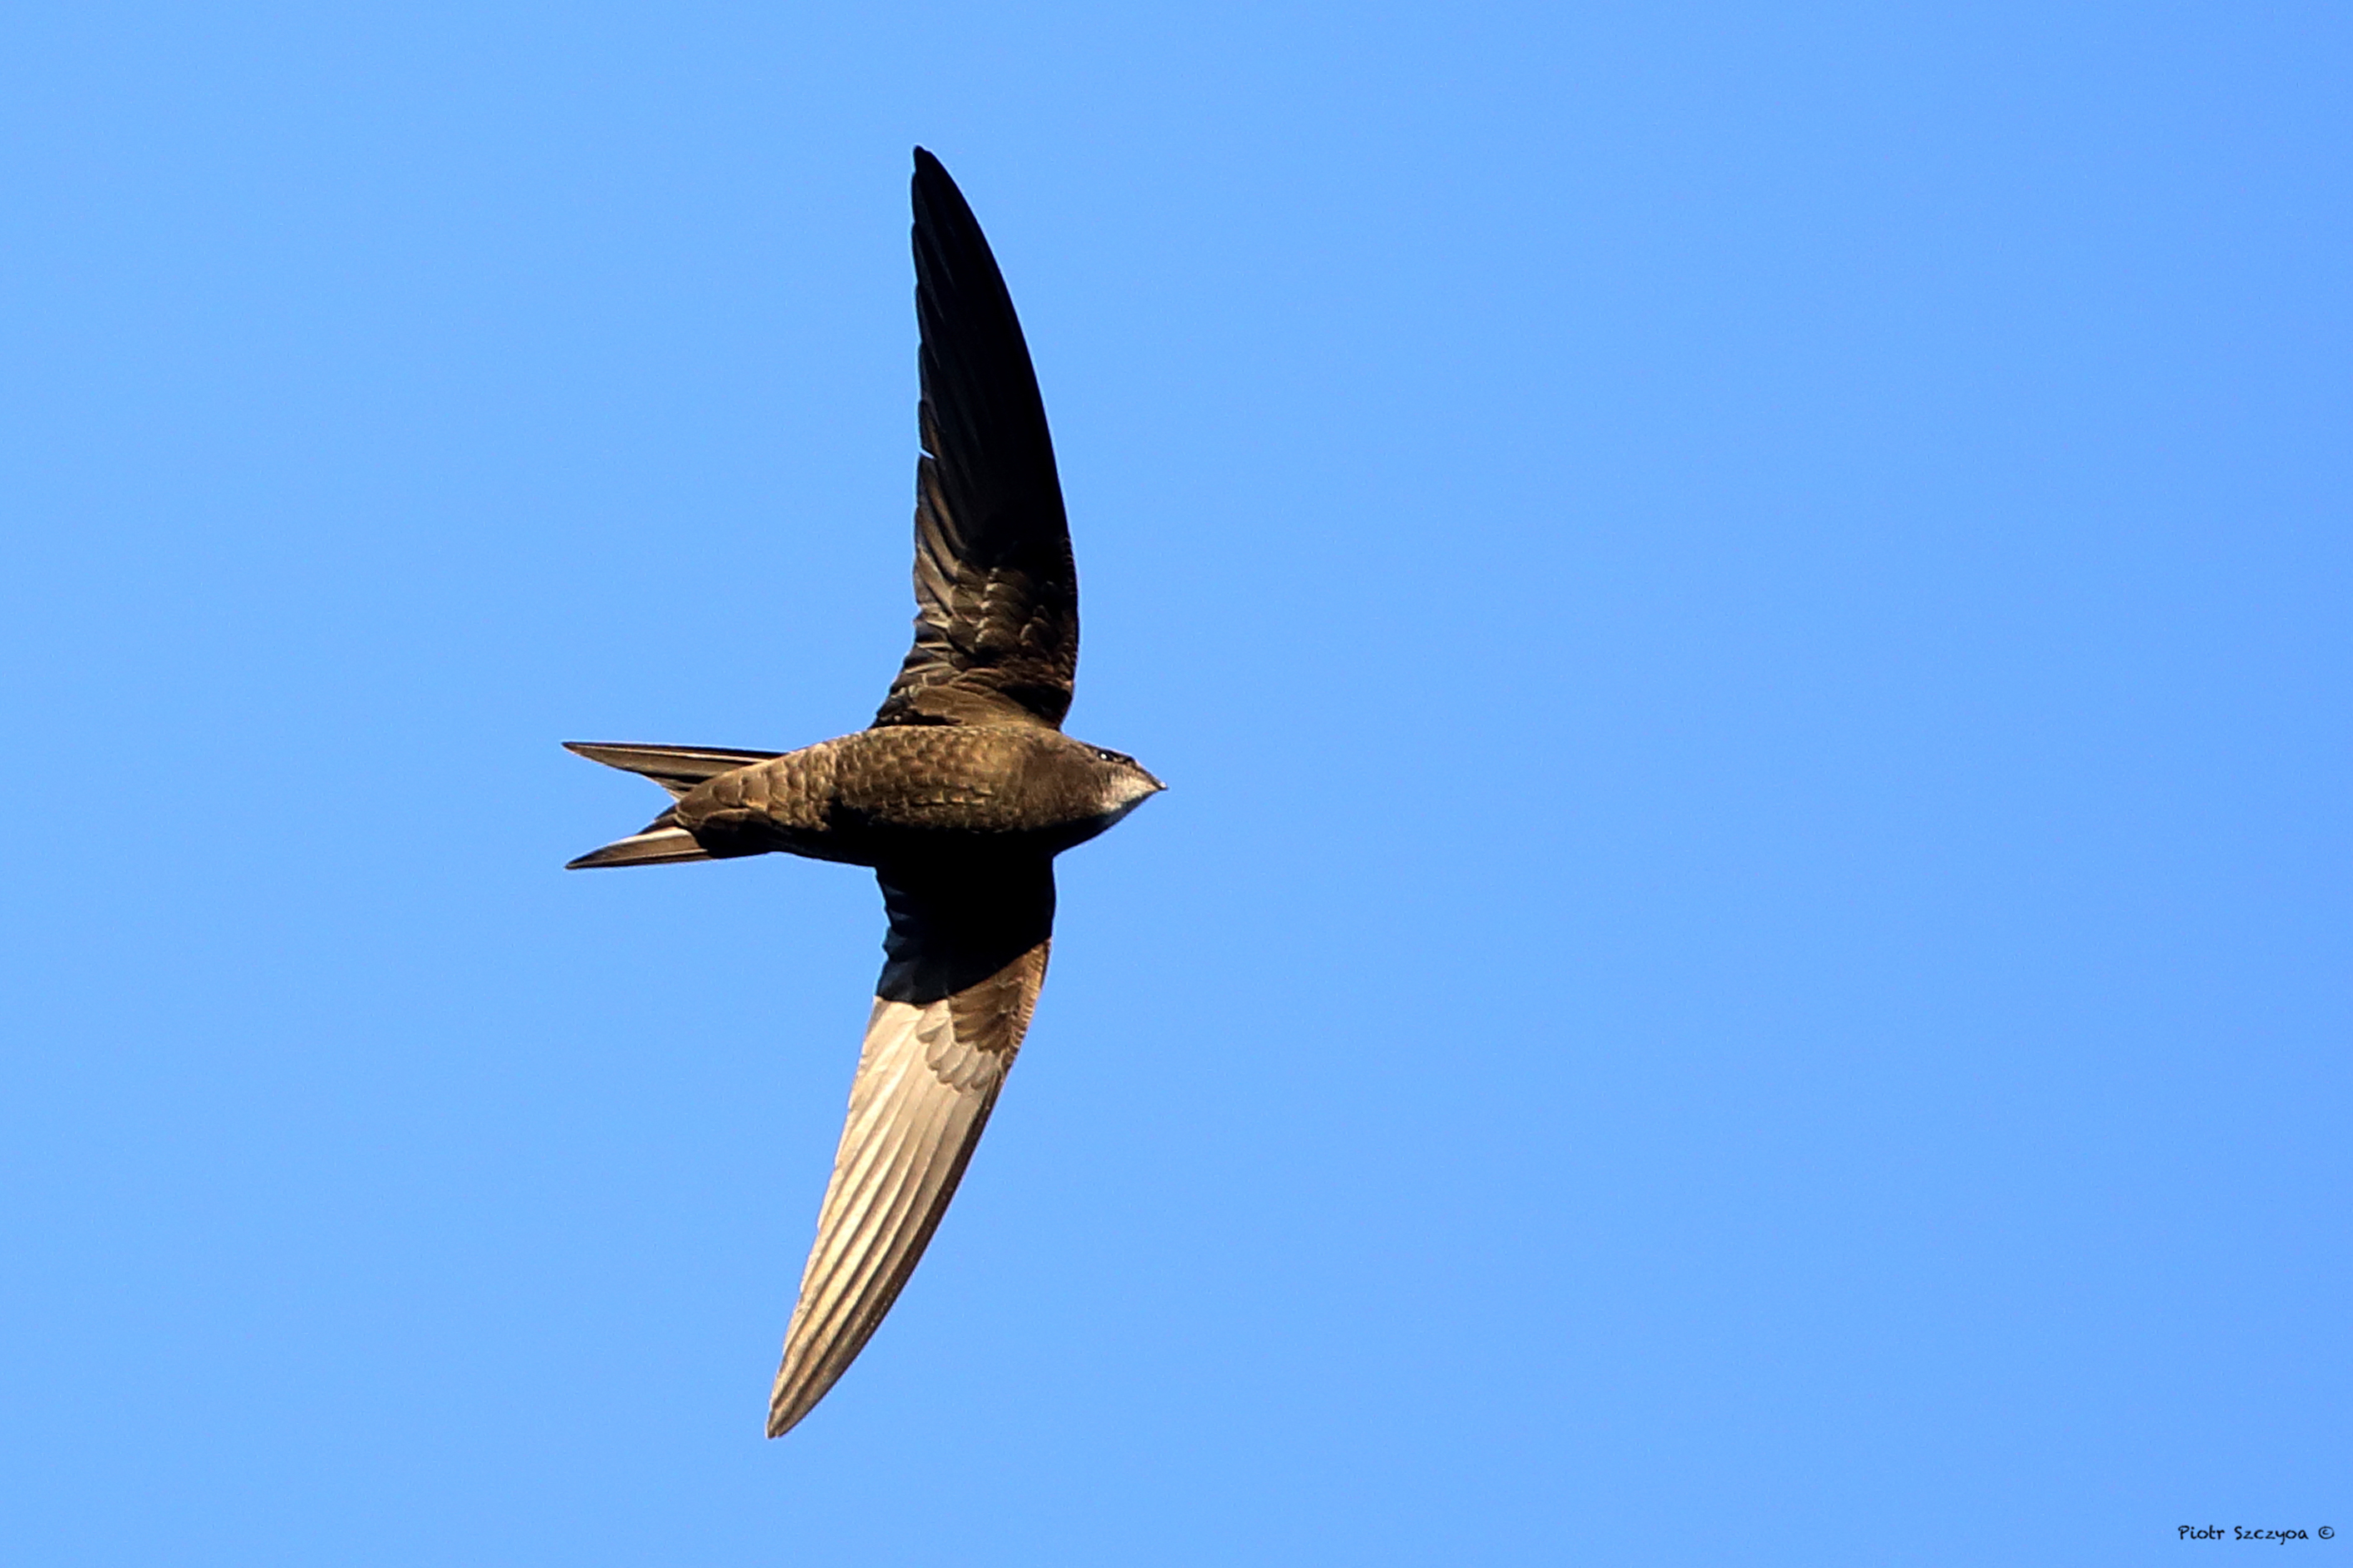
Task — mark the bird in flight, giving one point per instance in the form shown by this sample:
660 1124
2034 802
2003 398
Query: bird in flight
959 795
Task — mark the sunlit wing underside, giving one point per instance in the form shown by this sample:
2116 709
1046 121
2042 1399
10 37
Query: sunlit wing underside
927 1079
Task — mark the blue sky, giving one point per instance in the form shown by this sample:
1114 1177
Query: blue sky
1745 607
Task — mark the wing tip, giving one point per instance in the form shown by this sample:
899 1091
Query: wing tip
784 1413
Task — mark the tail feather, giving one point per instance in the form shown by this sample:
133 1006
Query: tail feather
659 843
677 769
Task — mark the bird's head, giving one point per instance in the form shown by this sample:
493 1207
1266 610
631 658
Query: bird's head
1120 783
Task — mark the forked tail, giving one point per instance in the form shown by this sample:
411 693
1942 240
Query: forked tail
677 769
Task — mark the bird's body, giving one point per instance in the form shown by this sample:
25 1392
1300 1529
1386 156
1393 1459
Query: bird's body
883 796
959 796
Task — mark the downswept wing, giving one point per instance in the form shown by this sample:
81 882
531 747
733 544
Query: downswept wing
966 957
997 596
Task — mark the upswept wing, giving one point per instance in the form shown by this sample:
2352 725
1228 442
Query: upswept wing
997 596
967 955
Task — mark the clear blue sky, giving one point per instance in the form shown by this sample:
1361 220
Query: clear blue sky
1745 607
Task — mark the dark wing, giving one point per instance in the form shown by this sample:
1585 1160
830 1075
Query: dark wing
997 596
967 955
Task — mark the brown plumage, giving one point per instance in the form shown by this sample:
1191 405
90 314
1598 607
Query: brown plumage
959 796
